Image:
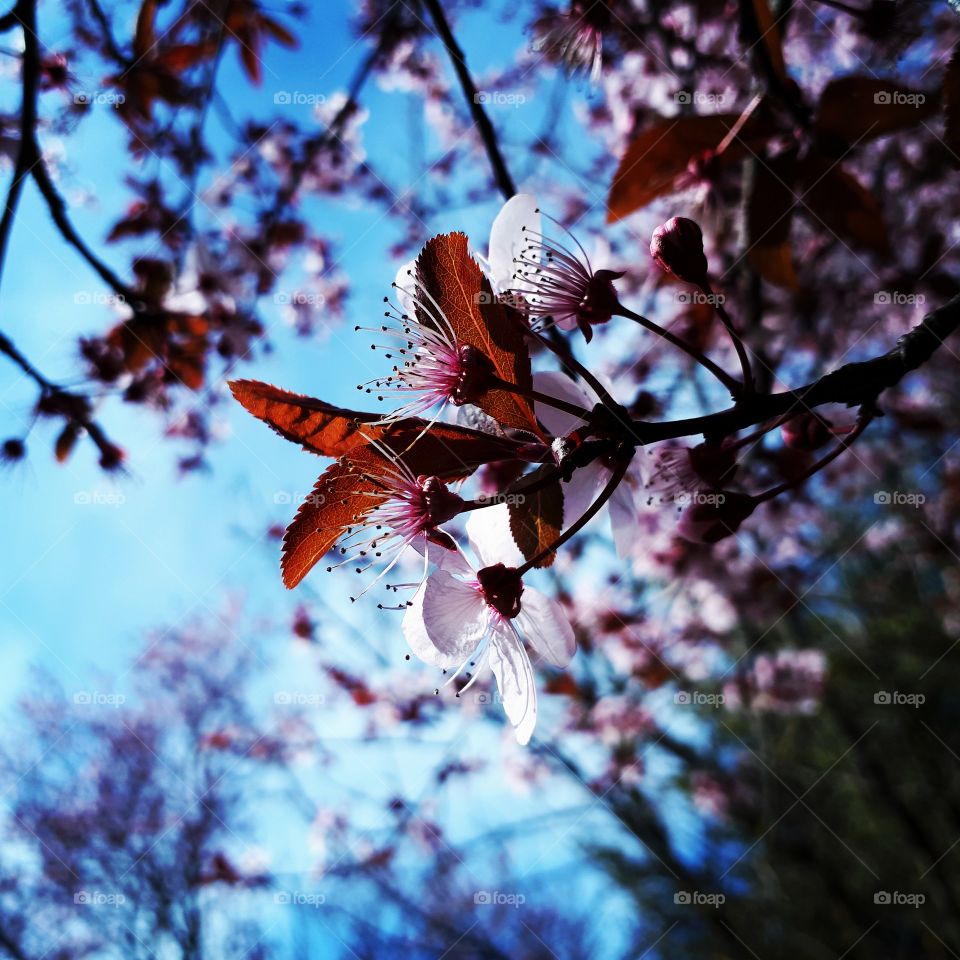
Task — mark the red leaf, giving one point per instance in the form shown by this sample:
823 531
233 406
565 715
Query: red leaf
661 153
856 110
536 519
464 295
339 498
444 450
839 202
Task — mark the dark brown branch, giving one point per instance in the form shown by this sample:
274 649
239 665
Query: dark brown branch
482 122
853 384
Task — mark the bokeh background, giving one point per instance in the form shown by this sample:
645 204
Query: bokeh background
755 750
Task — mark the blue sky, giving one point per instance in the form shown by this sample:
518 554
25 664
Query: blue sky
91 562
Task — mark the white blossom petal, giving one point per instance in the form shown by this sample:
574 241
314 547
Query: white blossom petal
559 423
507 240
489 531
624 517
514 676
404 282
446 621
546 628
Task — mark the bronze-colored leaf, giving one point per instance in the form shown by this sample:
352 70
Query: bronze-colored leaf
770 38
769 204
465 297
536 519
444 450
663 152
338 500
855 110
839 202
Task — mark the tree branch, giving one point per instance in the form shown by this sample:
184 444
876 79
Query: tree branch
853 384
482 122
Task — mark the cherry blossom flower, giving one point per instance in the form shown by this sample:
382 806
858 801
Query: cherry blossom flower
408 511
575 38
544 277
488 617
432 366
582 488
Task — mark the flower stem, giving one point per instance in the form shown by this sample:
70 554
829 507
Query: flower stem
571 408
863 421
748 385
729 382
605 494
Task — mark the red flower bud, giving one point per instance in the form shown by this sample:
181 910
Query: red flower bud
809 431
677 246
715 516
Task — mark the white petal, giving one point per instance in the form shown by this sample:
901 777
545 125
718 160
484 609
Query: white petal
404 283
507 239
446 621
581 490
546 628
624 518
489 531
514 676
559 385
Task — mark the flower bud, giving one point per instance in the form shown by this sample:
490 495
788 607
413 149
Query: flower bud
715 517
713 463
677 246
808 431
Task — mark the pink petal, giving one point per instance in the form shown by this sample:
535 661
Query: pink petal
514 676
546 628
